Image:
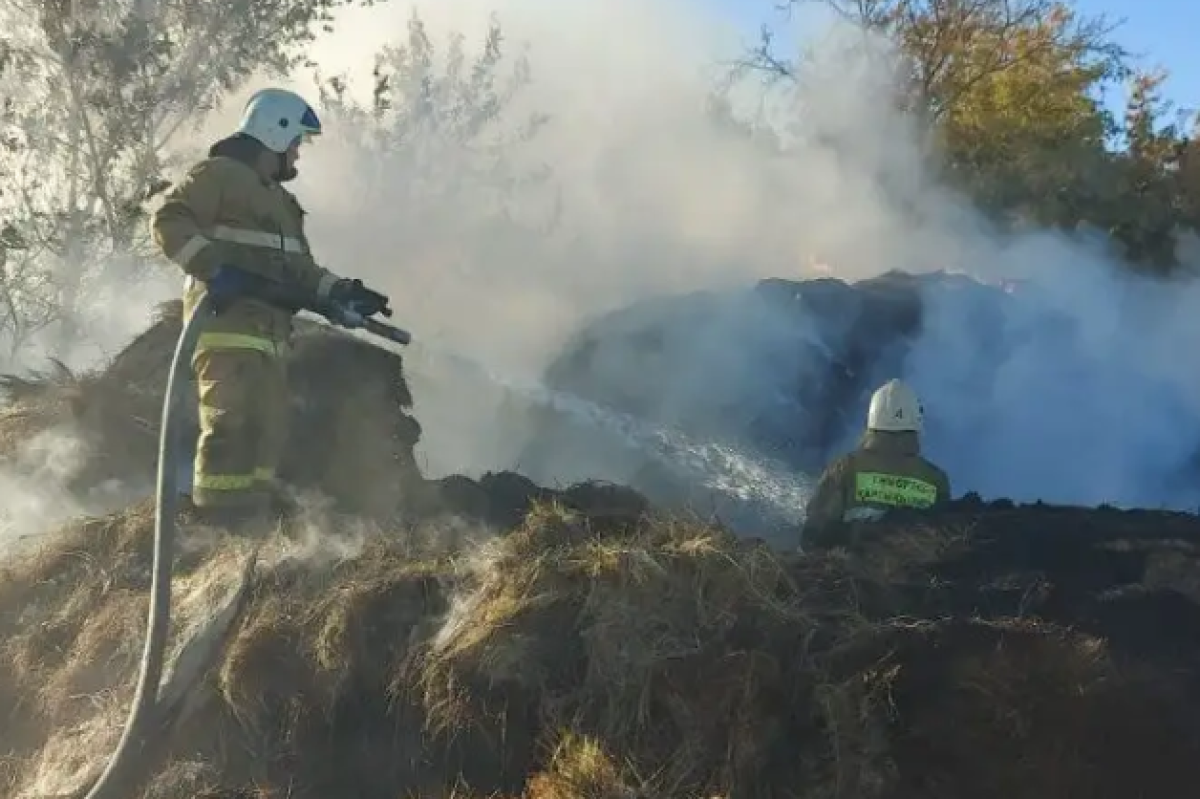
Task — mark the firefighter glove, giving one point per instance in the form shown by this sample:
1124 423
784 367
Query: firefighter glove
357 298
226 284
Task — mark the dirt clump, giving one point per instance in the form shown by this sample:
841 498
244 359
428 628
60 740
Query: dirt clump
1020 708
595 648
502 499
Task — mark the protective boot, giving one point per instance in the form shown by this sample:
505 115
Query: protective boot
234 517
255 520
277 504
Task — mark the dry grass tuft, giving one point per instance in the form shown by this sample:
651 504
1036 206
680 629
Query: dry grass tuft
581 769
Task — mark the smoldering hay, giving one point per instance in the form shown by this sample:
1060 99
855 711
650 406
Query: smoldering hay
493 638
1050 388
1074 391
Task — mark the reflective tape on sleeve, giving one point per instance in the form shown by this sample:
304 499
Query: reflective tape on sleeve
259 238
862 514
190 250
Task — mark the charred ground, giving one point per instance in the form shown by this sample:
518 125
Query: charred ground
491 637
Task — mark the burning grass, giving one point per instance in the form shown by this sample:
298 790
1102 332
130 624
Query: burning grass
595 649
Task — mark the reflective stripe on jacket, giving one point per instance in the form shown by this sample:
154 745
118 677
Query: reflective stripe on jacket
223 213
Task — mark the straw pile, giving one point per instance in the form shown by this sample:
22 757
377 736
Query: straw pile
352 438
597 649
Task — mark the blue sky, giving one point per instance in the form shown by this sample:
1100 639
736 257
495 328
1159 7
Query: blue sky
1162 33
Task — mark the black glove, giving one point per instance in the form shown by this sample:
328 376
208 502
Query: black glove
354 296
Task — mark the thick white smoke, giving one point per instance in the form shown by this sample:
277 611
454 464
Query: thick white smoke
650 192
1091 400
644 195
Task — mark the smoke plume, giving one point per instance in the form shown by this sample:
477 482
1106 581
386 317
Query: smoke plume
651 192
495 247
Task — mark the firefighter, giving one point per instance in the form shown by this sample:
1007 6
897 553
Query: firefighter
230 217
886 471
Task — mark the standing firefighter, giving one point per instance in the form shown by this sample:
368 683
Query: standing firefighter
886 471
228 223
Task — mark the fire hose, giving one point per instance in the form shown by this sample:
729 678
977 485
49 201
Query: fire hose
144 726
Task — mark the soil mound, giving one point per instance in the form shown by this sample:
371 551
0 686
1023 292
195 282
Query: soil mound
356 446
597 649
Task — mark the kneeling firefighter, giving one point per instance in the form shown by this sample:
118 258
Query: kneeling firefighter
233 229
886 471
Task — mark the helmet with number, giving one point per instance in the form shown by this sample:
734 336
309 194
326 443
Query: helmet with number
895 408
278 118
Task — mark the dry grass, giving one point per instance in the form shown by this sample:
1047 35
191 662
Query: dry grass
580 768
597 650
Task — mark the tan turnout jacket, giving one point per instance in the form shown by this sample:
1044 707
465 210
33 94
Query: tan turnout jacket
223 212
886 471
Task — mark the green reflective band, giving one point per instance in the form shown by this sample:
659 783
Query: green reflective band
889 489
226 482
236 341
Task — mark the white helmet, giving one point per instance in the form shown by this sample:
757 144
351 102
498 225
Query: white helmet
895 409
277 118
